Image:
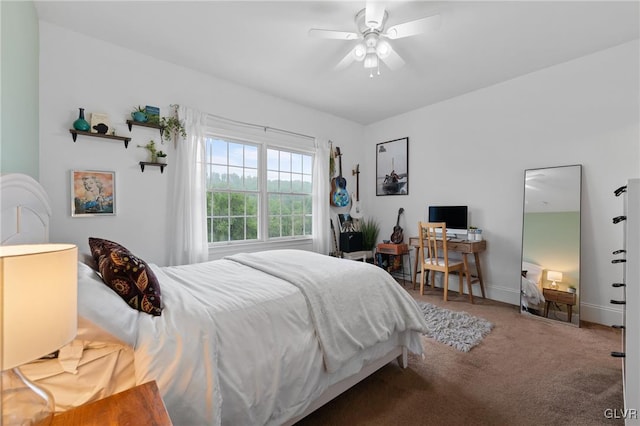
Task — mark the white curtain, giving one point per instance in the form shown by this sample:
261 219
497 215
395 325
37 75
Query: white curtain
188 243
321 190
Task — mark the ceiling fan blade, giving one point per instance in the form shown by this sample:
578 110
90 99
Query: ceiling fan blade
331 34
412 28
393 60
348 59
374 14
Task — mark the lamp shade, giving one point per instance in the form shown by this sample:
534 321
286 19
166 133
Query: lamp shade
39 300
554 276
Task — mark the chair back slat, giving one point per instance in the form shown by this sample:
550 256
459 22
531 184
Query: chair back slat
431 232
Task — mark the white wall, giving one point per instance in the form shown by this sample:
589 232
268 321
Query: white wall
468 150
474 149
79 71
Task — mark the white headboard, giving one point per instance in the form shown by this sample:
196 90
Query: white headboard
25 210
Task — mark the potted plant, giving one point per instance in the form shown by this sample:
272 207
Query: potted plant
370 230
172 128
161 157
139 114
151 147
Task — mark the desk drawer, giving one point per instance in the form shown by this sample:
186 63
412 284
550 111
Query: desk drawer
460 247
559 296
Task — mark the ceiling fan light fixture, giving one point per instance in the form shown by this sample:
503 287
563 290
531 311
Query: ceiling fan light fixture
371 60
383 49
359 52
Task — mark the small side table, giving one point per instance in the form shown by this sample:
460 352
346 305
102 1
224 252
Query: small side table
140 405
558 296
392 252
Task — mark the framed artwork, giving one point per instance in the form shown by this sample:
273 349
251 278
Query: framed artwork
100 123
93 193
392 167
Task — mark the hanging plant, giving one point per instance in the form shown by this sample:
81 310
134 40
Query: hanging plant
173 128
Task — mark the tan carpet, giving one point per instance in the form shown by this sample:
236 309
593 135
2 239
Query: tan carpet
527 371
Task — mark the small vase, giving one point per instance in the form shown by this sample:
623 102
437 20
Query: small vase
162 160
81 124
154 158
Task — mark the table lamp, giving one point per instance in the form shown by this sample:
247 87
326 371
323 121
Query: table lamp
38 315
555 277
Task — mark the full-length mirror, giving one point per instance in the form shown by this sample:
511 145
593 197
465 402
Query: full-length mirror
551 243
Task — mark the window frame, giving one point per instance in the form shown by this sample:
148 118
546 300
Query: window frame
263 143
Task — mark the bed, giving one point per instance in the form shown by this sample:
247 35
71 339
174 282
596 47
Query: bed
532 296
260 338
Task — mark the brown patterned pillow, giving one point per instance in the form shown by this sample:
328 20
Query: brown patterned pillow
99 246
129 276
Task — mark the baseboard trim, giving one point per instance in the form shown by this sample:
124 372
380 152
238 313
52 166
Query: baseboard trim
605 315
591 312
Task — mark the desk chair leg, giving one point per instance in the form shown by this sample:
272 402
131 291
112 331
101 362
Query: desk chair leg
445 284
421 279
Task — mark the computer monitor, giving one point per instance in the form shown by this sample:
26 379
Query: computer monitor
456 218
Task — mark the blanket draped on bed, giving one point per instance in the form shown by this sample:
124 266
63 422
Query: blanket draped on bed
345 321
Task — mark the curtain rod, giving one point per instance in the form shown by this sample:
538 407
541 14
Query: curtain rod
258 126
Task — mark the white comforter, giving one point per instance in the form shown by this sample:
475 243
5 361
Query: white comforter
235 345
353 305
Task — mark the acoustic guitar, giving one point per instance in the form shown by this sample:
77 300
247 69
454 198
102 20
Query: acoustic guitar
355 211
339 194
397 236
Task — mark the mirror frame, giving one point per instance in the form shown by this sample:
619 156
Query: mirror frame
521 301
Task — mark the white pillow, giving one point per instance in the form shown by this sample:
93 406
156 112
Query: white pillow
534 272
101 306
88 259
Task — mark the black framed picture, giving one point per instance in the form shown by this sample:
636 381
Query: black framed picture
392 167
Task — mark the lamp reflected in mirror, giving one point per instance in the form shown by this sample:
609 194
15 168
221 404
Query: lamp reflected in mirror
551 244
555 277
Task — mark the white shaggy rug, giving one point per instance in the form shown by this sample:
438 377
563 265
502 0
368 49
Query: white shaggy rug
458 329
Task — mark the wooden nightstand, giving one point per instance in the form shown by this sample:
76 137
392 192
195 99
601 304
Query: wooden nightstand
558 296
141 405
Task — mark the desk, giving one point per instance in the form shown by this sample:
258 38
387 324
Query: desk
461 246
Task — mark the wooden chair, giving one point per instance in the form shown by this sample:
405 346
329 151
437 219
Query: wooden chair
435 257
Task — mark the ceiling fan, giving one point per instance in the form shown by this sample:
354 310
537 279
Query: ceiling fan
373 45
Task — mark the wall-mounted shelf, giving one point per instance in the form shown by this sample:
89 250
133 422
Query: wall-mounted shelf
132 123
75 133
148 163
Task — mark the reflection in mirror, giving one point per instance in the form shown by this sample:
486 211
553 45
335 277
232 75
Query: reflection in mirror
551 244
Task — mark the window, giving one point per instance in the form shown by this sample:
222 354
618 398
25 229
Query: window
256 192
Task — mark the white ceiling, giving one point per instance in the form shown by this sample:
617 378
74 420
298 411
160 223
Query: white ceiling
264 45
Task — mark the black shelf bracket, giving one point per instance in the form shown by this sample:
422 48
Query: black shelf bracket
147 163
75 133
